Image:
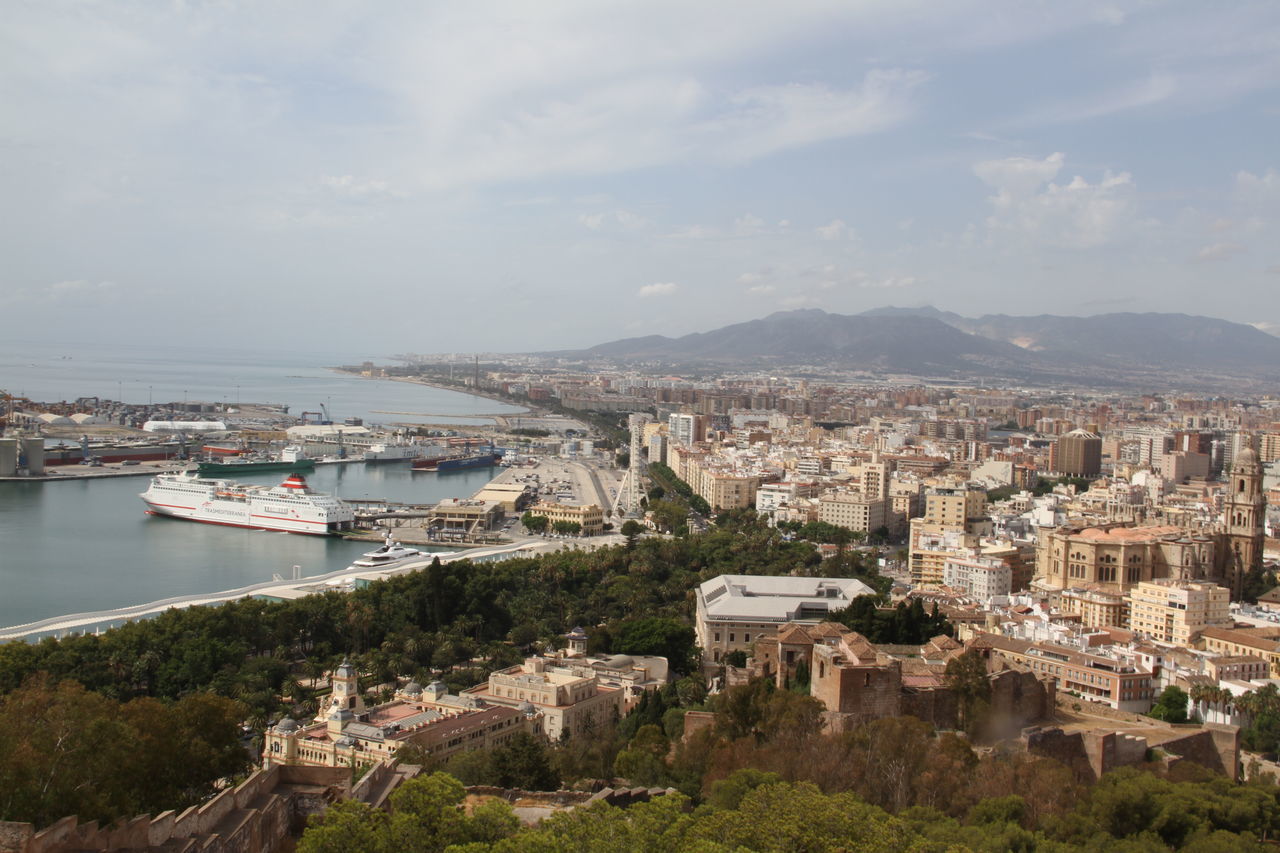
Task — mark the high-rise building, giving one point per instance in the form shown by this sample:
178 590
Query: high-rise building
954 520
1078 454
1175 611
685 428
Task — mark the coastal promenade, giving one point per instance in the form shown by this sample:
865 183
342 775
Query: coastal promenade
274 589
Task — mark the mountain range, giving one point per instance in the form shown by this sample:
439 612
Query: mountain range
1122 348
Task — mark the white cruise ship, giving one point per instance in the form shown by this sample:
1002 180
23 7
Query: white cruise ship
291 506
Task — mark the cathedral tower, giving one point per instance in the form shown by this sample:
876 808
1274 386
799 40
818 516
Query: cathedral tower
1243 520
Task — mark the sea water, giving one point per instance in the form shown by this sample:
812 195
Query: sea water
87 545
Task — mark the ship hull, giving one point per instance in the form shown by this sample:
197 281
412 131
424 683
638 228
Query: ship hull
206 468
456 463
167 513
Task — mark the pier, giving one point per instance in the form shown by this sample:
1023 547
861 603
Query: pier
274 589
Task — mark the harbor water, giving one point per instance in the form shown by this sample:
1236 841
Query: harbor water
86 545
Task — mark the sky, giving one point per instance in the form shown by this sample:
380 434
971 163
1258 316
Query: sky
503 177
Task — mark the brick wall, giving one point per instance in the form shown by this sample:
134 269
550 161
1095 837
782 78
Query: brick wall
254 817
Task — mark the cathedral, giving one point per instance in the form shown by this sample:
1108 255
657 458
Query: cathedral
1114 557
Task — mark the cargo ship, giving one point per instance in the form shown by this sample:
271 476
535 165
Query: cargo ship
291 507
292 459
456 463
391 452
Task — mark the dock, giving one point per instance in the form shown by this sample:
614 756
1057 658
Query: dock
273 590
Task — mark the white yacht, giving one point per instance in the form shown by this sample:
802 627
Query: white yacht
392 553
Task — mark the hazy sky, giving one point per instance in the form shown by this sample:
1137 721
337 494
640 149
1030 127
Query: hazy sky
512 176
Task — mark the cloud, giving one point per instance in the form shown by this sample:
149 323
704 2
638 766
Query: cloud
1217 251
1021 175
891 282
349 187
1076 214
747 225
1258 188
764 120
694 232
657 289
833 230
1135 94
81 291
1269 328
623 219
761 289
798 300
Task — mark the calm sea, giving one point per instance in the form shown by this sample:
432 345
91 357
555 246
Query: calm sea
86 545
136 373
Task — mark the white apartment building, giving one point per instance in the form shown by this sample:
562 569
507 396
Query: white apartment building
980 577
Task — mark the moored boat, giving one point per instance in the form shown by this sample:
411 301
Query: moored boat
291 507
454 463
392 553
292 460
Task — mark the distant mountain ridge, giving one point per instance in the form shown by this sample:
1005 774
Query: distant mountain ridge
928 341
906 343
1148 339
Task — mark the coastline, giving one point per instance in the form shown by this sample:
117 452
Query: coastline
525 410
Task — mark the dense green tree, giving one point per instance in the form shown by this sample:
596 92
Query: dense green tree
1171 706
524 762
727 793
905 624
535 523
346 826
658 636
426 815
1257 581
668 515
632 530
66 750
966 676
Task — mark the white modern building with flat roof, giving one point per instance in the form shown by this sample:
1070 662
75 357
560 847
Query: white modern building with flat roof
736 610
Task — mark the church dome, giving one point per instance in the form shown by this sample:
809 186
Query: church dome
287 726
